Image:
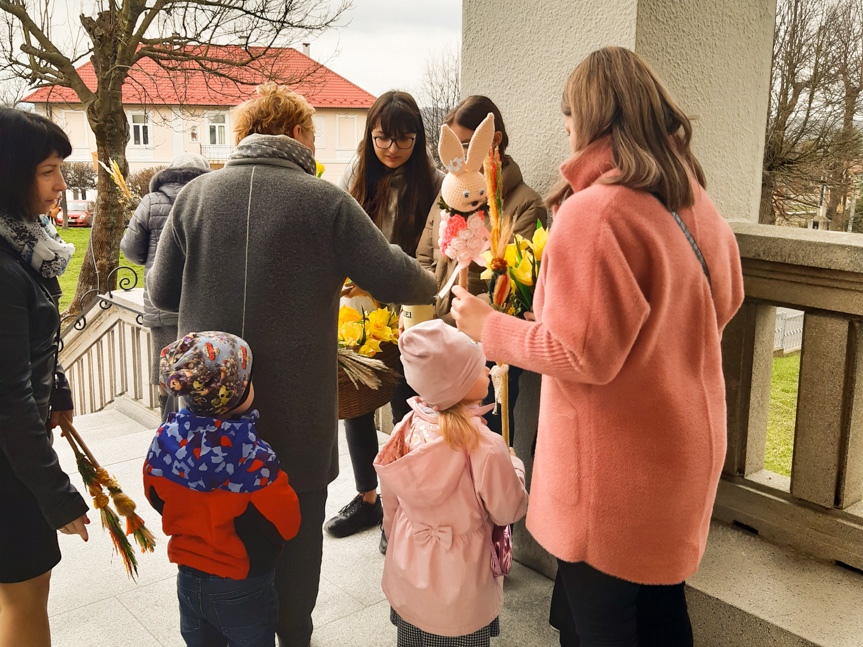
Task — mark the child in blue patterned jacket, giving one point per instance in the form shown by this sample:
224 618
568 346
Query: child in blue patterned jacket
224 500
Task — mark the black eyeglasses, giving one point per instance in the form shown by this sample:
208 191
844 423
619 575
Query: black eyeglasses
401 142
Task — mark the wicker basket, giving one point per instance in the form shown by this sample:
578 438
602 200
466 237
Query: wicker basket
355 401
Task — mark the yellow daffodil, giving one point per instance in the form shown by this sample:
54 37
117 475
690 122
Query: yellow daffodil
319 168
348 314
513 251
540 237
371 347
377 326
487 274
351 333
522 272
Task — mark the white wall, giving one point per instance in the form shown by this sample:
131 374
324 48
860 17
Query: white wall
714 57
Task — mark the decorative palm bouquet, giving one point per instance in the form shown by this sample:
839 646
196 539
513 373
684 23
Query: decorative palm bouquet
511 268
512 286
97 481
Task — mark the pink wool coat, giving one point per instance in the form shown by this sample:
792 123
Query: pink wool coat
632 427
437 573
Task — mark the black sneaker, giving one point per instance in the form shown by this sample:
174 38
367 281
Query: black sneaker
383 545
355 516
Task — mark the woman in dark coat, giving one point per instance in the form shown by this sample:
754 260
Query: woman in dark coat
139 245
36 497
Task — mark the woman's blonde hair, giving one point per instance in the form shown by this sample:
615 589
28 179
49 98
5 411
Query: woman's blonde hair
458 428
614 92
275 111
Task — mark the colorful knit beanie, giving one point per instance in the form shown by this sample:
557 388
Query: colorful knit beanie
212 370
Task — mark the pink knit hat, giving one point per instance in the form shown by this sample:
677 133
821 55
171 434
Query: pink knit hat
440 363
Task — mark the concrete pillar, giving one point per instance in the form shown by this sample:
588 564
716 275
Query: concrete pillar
713 56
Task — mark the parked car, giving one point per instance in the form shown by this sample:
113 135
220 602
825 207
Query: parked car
80 213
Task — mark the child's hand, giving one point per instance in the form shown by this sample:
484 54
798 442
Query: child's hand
512 451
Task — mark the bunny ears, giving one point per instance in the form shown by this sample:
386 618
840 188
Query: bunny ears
452 152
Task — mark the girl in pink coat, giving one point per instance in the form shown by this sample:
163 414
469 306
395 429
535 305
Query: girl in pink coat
437 574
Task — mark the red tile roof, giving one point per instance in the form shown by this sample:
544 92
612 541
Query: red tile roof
150 84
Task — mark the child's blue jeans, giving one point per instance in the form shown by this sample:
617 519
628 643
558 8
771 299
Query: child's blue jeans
217 611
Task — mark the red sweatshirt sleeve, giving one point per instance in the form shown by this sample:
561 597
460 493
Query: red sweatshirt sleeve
592 313
279 504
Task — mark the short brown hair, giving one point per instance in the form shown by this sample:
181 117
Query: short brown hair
275 111
614 92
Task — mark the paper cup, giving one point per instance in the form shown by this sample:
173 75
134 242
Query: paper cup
413 315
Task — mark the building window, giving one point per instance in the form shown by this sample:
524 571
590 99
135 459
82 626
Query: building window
217 127
346 132
320 132
140 130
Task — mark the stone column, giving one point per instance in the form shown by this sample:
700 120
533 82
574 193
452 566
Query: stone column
713 56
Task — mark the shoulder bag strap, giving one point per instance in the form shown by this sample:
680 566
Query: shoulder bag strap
694 246
482 510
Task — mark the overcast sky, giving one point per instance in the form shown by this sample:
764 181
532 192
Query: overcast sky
380 44
385 43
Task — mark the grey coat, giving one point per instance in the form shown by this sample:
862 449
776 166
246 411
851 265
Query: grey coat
261 249
142 235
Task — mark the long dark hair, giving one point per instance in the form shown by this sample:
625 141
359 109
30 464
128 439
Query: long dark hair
470 113
26 140
397 114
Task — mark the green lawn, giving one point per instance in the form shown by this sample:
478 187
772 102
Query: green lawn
79 236
783 412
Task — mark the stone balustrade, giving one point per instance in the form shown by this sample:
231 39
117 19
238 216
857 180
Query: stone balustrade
818 509
107 358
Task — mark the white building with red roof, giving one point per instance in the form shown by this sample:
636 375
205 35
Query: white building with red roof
172 113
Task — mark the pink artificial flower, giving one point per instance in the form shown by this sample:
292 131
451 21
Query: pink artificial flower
454 225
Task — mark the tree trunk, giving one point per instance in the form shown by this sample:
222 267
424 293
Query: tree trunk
65 207
103 251
766 214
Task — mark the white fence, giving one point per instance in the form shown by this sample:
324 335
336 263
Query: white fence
788 333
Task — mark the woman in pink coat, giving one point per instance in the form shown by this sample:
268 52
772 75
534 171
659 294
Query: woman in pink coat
437 513
639 277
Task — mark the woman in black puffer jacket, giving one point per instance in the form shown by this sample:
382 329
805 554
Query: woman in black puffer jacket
36 497
139 245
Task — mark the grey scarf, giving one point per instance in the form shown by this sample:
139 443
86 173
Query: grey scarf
280 147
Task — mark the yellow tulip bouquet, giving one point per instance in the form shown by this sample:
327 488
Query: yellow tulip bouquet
365 332
367 354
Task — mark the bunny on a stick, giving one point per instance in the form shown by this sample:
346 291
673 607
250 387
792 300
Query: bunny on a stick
463 235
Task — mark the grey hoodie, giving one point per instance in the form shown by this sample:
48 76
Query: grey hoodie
261 249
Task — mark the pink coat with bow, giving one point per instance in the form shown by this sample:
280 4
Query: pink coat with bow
437 574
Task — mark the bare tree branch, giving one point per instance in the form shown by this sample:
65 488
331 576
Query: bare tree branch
440 92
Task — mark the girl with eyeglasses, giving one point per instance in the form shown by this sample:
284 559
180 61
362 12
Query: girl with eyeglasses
395 180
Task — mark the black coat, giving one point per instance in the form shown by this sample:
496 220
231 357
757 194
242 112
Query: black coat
31 382
142 235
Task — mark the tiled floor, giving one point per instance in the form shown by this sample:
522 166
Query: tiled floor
93 603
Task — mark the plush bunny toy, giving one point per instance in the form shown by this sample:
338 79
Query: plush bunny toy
463 235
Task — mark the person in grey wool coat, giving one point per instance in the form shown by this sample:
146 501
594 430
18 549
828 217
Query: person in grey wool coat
261 249
139 245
